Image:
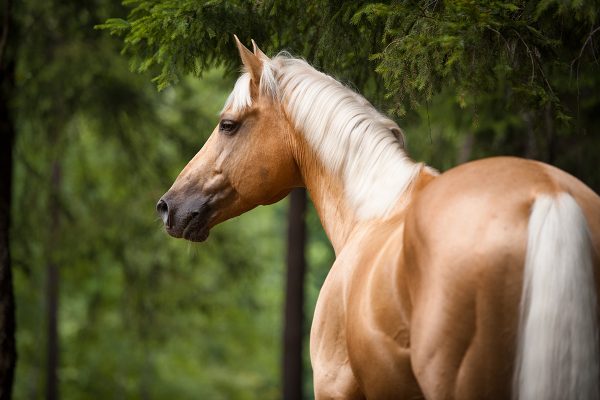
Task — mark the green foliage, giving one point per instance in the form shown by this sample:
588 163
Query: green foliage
179 37
174 38
521 75
477 47
420 47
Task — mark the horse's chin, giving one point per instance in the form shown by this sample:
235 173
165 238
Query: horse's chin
197 229
198 235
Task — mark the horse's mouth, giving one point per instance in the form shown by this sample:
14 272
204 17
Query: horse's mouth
194 226
197 228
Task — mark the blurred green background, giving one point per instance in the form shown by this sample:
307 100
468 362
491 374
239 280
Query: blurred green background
142 315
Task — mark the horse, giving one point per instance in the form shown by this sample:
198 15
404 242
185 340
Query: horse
477 283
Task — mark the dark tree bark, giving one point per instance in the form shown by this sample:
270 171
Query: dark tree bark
294 300
8 354
52 333
7 313
466 149
551 135
52 293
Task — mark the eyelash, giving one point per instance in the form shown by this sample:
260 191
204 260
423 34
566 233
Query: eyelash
228 126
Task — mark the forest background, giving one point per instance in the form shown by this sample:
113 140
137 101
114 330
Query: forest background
94 128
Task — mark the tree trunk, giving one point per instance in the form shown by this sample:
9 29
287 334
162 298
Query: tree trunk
8 354
7 310
550 136
52 293
466 149
52 333
531 145
294 300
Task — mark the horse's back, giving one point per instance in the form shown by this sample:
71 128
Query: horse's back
465 243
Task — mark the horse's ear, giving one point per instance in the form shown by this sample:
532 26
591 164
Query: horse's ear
252 63
258 52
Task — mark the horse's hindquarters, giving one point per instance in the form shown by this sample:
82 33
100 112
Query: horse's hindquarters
464 323
466 241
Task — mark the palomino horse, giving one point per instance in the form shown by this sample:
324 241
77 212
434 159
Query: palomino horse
477 283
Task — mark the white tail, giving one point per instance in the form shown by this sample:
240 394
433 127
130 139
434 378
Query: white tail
557 354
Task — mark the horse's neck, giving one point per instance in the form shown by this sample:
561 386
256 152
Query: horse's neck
339 217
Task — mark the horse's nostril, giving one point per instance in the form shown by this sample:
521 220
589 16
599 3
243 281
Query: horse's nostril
163 210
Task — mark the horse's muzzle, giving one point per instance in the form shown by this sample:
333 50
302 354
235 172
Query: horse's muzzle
186 218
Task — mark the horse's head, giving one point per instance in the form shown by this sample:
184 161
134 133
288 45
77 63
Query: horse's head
247 161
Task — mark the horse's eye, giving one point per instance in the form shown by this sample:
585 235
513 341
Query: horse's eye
228 126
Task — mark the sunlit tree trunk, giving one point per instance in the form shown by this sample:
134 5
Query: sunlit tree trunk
294 300
8 353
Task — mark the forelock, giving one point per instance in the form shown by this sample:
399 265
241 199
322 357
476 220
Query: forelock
240 97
